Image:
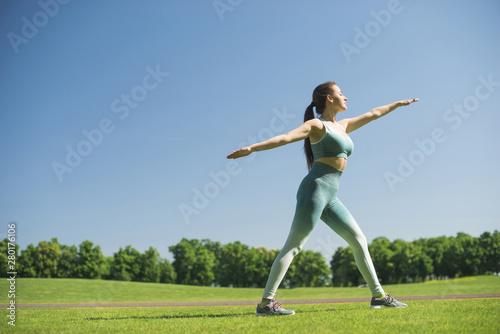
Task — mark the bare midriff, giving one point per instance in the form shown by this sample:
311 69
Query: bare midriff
335 162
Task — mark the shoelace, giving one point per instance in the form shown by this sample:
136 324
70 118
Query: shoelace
276 305
390 298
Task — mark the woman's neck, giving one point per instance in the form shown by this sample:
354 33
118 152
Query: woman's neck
329 115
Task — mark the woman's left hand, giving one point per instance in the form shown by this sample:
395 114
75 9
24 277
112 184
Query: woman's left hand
406 102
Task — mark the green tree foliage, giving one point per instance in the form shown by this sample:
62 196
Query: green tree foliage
126 265
344 269
468 254
150 271
167 272
90 262
4 257
156 269
382 253
308 269
28 262
237 265
193 262
439 250
68 264
48 255
51 259
490 244
401 262
412 264
263 261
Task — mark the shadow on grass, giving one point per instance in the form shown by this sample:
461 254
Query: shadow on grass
187 316
194 316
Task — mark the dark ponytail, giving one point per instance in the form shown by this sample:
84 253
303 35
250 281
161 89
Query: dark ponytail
318 101
307 142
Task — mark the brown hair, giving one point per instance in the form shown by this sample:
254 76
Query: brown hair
318 101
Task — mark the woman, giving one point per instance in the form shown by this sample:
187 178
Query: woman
327 146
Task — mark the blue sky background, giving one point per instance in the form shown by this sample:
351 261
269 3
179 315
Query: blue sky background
229 75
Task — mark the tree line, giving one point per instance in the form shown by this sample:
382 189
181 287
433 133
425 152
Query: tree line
435 258
195 263
208 263
50 259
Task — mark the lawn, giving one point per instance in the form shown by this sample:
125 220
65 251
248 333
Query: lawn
444 316
41 290
440 316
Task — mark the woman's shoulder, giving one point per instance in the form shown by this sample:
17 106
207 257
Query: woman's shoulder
315 122
316 126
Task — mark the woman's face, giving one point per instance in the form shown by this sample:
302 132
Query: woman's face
338 100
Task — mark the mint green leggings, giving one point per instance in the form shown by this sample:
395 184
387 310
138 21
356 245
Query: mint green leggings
317 199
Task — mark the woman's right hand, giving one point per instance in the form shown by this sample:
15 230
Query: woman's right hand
242 152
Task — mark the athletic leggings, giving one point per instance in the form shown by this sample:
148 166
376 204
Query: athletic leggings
317 198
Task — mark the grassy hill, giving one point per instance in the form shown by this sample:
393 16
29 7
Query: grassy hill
43 290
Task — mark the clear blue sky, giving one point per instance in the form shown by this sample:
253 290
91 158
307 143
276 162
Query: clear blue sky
165 90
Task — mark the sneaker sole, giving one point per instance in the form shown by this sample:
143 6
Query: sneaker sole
271 314
383 306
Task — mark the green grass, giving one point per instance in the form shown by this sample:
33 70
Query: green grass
444 316
31 290
448 316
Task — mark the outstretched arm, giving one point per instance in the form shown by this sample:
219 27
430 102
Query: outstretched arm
355 123
299 133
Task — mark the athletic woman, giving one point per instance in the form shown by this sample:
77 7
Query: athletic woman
327 146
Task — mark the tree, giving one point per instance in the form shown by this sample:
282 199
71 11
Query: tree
262 260
419 261
442 260
150 266
193 262
215 248
110 260
28 262
91 263
308 269
490 243
235 265
48 257
126 265
382 253
205 261
344 269
411 264
6 256
469 254
167 272
67 266
450 264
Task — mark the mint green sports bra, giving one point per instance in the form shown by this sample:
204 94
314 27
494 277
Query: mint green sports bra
332 144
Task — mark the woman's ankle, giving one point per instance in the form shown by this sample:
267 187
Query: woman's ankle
265 301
